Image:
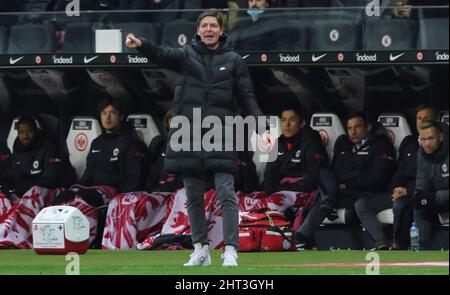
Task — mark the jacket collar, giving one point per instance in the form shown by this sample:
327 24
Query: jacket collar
18 147
303 135
224 45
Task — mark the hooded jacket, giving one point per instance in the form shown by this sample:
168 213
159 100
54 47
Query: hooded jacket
432 170
116 159
297 165
214 82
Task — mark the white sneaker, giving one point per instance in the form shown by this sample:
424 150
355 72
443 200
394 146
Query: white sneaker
199 257
229 256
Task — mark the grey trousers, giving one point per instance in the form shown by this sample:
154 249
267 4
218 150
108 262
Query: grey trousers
367 208
195 189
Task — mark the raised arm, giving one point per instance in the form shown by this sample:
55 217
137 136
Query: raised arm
167 57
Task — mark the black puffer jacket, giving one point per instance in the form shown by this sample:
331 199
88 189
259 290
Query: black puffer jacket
34 165
216 82
433 170
297 165
116 159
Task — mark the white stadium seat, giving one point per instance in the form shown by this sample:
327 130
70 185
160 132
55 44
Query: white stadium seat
444 117
145 127
83 130
329 127
397 128
259 158
384 217
13 133
339 220
443 218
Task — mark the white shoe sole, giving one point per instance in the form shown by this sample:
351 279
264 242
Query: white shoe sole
206 263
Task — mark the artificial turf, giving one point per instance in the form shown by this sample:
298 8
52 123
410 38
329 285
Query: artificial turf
132 262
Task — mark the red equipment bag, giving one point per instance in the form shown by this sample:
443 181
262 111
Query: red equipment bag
265 230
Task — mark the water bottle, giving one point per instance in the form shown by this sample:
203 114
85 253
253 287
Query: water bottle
414 237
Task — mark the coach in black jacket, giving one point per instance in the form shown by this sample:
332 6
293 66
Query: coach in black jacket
217 82
364 164
33 162
300 156
362 167
214 81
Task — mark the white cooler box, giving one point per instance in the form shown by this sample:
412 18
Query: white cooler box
60 230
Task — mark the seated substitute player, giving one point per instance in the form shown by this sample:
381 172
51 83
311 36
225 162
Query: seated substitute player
300 156
30 179
291 181
115 163
133 216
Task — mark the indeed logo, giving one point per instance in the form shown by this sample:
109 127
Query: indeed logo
443 56
137 60
289 58
366 57
62 60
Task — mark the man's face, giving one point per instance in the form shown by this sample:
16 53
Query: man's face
430 140
290 123
258 4
357 130
26 134
423 115
209 31
110 118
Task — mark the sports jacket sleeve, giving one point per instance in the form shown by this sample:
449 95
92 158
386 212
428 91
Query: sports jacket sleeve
377 176
155 167
133 168
51 166
342 160
401 177
271 177
424 180
88 175
167 57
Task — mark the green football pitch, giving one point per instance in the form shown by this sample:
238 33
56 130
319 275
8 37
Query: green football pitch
132 262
